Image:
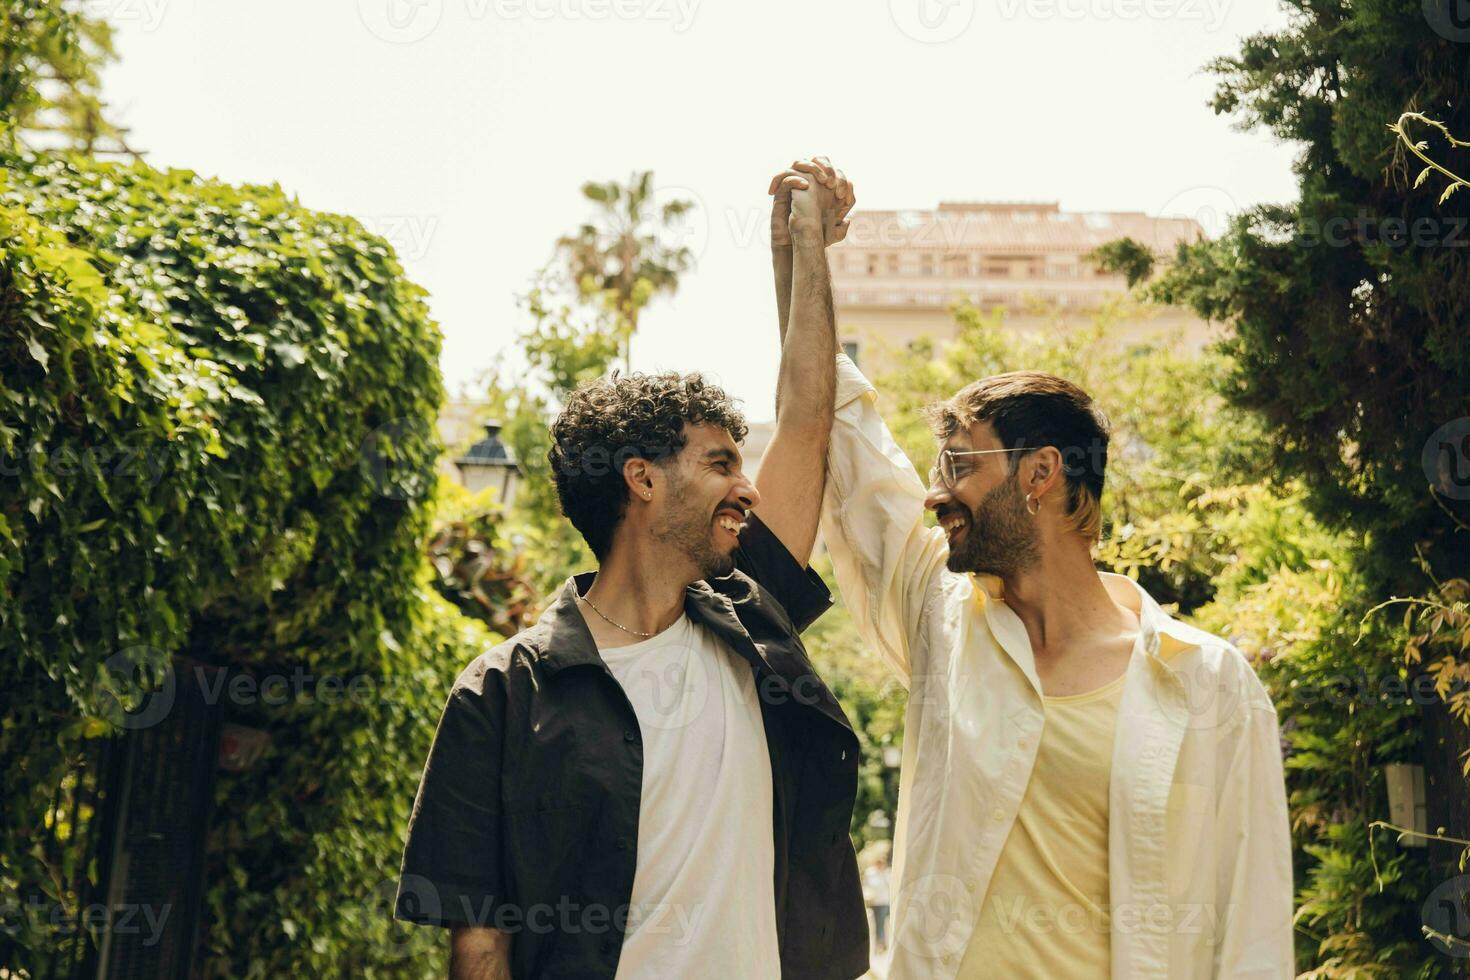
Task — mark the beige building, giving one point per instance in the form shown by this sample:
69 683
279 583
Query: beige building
899 273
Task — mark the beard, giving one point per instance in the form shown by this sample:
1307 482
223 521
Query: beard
691 533
1001 537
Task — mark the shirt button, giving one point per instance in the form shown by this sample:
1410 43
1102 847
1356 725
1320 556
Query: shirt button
624 843
997 814
630 736
606 947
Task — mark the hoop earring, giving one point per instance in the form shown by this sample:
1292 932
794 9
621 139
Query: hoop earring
1029 502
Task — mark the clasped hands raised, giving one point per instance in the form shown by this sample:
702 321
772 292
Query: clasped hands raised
811 201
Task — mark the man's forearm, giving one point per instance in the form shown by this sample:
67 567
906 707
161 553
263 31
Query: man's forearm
793 468
781 266
807 383
479 953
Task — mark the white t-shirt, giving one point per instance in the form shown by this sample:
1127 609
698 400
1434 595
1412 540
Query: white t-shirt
703 900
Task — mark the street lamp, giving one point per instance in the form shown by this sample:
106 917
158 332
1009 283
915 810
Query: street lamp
490 463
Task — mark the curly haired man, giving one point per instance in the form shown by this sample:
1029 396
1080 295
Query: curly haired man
653 781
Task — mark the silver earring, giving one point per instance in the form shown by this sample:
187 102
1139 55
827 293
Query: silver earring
1029 502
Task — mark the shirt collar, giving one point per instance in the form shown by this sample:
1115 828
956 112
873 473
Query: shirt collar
1163 636
567 642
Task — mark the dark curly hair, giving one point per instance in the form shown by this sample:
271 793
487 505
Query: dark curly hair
609 421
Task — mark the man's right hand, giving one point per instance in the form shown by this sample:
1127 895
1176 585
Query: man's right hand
810 198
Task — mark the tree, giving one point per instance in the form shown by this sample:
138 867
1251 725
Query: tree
218 444
628 252
1347 311
50 89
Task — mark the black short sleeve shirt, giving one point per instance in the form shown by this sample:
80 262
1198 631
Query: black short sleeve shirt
526 818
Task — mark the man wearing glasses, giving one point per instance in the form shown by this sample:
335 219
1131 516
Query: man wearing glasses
1090 787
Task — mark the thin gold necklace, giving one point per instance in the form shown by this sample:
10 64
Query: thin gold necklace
614 622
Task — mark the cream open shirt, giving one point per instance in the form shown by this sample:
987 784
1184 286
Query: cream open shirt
1199 849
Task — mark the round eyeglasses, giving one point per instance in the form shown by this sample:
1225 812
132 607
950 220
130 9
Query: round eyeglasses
946 471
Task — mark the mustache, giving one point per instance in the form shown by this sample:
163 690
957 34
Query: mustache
734 509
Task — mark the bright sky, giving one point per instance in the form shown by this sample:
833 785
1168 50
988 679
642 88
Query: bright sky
461 130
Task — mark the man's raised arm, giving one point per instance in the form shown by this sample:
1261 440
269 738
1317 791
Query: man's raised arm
811 202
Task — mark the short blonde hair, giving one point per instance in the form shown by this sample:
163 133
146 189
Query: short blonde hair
1029 410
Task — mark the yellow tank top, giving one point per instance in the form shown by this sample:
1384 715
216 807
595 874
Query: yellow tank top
1046 911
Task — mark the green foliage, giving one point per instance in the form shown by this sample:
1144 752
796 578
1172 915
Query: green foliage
1134 260
476 566
50 89
1348 340
1347 311
218 439
629 251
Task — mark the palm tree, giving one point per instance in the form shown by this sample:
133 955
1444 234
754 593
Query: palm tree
622 254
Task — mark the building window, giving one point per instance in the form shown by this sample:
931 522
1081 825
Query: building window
850 348
926 265
893 263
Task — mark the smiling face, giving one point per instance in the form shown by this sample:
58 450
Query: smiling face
706 500
984 513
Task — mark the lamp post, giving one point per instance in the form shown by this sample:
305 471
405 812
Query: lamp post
490 463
